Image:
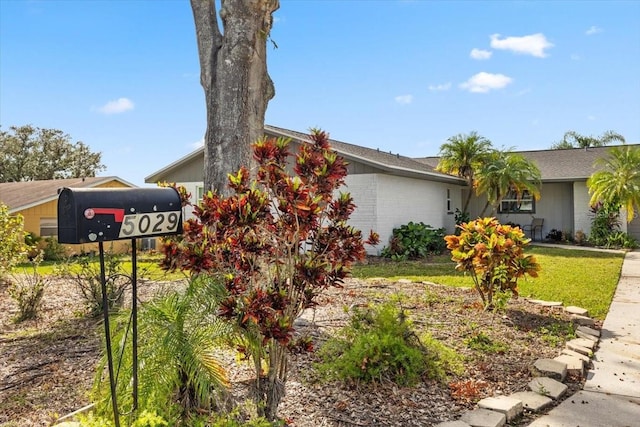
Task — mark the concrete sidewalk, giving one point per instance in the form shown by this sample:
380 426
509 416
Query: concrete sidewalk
611 394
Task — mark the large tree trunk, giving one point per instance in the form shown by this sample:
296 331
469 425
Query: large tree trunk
237 88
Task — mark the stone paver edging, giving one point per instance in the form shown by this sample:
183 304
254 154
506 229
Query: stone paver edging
547 386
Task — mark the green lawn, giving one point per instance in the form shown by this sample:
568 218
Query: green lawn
586 279
583 278
148 267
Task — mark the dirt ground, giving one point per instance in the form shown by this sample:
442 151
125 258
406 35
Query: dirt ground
47 365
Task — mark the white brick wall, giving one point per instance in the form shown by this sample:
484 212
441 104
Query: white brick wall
384 202
401 200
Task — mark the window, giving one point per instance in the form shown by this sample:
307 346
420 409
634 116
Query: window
148 244
449 200
199 195
511 203
48 227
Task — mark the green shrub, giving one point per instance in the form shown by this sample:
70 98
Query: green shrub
146 419
483 343
13 249
620 239
53 250
85 273
605 221
413 241
27 289
380 345
555 235
461 217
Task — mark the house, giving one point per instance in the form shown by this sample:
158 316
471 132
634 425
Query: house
37 202
564 201
390 190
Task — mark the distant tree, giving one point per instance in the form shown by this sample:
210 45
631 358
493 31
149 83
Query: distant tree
562 145
463 155
573 139
618 180
237 87
30 153
504 172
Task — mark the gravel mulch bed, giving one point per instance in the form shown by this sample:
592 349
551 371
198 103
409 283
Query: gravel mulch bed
47 364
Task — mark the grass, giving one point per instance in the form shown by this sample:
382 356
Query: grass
148 267
586 279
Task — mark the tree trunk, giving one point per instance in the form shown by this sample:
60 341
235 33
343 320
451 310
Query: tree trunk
237 87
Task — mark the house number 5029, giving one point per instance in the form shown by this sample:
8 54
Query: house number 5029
149 224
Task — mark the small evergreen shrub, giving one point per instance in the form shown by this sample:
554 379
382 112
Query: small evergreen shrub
461 217
555 235
53 250
27 290
483 343
620 239
414 241
146 419
379 344
85 273
605 221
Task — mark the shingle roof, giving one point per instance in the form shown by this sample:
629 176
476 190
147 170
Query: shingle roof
391 163
573 164
22 195
370 156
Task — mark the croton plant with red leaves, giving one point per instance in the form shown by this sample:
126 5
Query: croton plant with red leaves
277 241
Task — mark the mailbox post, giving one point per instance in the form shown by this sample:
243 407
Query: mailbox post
98 215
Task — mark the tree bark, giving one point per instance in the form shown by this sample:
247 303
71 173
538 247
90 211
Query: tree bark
237 87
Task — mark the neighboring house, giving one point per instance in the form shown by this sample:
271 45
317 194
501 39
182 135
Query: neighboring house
37 202
564 201
390 190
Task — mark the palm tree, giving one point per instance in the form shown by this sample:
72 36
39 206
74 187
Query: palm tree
462 155
573 139
505 172
179 373
618 180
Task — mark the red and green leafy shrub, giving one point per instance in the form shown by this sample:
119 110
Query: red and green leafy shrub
278 241
494 256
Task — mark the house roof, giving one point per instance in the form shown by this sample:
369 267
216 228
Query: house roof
23 195
574 164
391 163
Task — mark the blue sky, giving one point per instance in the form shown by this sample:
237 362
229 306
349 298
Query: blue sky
402 76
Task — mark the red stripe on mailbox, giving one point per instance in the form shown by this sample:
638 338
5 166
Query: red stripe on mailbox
117 213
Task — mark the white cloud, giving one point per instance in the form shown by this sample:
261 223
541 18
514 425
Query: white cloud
404 99
440 87
523 92
480 54
534 44
593 30
484 82
591 118
117 106
575 57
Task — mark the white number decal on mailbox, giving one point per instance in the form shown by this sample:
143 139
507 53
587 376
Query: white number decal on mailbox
148 224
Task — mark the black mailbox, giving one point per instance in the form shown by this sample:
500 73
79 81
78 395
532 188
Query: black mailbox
87 215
